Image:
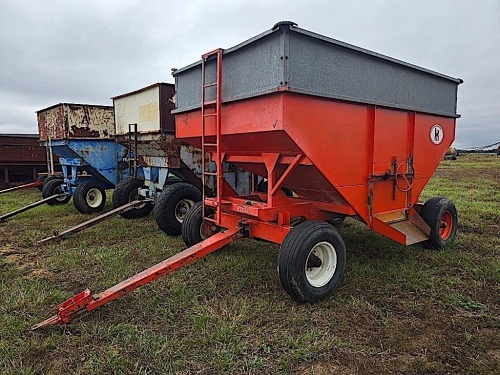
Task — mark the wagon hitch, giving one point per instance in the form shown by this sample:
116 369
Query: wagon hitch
86 302
30 206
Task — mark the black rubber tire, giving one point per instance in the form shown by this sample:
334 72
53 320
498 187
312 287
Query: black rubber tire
52 177
172 206
49 178
435 212
86 191
125 192
191 230
53 187
293 259
42 179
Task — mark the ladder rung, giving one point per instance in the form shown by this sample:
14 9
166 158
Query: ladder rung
210 173
210 102
210 144
210 84
210 114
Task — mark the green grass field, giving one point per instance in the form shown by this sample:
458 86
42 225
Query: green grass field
399 309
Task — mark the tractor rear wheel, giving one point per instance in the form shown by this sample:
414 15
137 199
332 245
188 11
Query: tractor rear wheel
54 187
441 215
194 229
89 197
172 206
311 261
127 191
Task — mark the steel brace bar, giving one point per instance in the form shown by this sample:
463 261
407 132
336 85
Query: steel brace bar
86 302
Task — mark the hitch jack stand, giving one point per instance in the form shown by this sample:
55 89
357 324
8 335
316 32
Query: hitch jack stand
86 302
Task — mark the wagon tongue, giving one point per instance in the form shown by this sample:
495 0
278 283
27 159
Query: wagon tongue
86 302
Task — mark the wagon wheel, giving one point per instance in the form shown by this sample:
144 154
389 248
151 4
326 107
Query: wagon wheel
127 191
172 206
194 229
311 261
441 215
89 197
407 176
54 187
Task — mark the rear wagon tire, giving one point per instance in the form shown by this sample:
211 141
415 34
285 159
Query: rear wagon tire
311 261
441 215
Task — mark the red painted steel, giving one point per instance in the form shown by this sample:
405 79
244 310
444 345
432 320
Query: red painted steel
374 160
85 301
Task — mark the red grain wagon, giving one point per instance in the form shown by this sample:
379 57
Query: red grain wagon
334 129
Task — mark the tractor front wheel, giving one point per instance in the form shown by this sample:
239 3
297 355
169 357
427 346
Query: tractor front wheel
311 261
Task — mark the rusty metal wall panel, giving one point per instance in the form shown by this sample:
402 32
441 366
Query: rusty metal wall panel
148 107
167 105
66 121
21 149
22 154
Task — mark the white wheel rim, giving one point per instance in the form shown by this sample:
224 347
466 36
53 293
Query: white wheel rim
94 198
320 276
182 208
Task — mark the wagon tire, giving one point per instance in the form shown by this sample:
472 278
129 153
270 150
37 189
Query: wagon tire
47 179
194 229
125 192
53 187
89 197
311 261
42 180
173 204
440 214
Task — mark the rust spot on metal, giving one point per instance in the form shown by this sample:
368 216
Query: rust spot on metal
64 121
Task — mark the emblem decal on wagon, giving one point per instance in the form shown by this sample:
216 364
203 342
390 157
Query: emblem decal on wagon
437 134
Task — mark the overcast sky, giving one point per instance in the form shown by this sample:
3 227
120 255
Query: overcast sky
88 51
